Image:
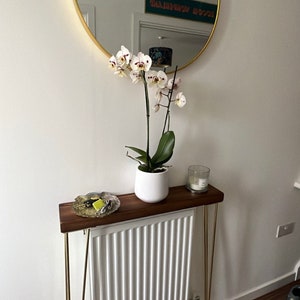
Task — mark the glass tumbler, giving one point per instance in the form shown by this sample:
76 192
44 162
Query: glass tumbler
198 178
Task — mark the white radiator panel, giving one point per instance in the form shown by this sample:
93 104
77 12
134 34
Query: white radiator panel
143 259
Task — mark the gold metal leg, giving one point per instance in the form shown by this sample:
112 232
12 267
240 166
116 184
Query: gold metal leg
67 267
213 248
208 274
86 262
205 250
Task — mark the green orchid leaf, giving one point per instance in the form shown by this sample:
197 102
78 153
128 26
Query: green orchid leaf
143 155
141 159
164 150
160 163
144 168
137 150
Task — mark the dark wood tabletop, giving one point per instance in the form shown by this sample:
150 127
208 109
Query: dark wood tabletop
133 208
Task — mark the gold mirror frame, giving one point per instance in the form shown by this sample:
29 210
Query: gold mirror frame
108 54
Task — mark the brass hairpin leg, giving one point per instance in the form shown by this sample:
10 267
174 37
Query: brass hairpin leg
213 249
208 274
67 267
86 262
205 250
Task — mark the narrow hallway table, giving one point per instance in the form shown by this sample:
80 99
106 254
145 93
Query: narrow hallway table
131 207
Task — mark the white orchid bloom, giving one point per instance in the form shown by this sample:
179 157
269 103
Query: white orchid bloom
113 62
118 70
123 57
156 107
150 77
135 76
158 79
141 62
180 100
176 84
159 94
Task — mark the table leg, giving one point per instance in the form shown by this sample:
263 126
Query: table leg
205 250
208 273
67 267
86 262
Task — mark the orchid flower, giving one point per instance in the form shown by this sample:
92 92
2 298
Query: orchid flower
158 79
112 62
141 62
159 94
118 69
135 76
156 107
123 57
176 84
180 100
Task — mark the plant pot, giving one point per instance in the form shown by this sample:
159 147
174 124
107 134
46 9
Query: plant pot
151 187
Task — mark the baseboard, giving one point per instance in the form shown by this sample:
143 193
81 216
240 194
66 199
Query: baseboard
266 287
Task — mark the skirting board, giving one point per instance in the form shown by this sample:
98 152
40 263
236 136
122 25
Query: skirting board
266 287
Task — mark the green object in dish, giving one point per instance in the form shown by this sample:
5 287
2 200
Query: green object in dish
98 204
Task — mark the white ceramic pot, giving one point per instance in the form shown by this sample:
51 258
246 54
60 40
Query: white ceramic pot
151 187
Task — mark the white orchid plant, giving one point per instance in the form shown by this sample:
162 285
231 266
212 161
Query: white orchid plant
139 70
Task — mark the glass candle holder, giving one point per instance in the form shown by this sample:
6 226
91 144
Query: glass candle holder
197 181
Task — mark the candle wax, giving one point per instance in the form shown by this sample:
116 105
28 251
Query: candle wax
201 184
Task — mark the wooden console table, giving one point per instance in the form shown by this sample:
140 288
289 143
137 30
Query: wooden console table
132 208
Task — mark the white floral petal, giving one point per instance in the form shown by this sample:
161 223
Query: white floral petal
135 76
150 77
141 62
148 62
123 57
112 62
156 107
180 100
158 95
134 63
162 79
176 84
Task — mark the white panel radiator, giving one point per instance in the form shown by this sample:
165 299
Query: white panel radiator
142 259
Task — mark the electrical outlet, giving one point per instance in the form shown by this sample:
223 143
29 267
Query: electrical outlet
196 296
297 270
285 229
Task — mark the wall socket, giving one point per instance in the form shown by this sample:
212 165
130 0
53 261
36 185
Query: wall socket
297 270
285 229
195 296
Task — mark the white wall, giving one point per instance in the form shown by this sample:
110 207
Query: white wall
63 117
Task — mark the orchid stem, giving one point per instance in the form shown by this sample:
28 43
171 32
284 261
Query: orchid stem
167 116
147 118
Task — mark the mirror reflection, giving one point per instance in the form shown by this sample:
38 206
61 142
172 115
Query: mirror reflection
140 25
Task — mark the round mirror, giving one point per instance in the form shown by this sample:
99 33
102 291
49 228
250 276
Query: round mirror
185 27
